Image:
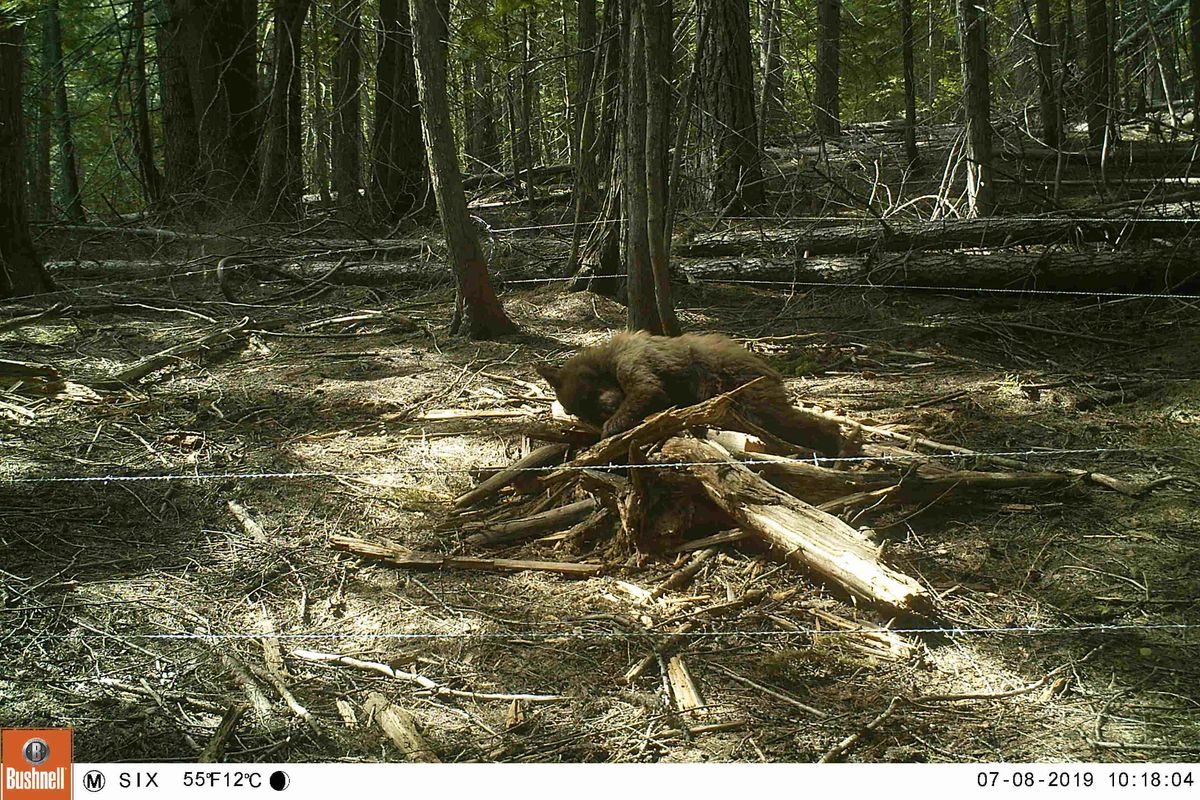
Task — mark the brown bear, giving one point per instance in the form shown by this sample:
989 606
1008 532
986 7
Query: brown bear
617 384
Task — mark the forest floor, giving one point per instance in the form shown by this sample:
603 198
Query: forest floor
140 611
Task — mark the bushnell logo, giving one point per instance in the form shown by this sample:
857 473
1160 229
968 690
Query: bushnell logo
36 751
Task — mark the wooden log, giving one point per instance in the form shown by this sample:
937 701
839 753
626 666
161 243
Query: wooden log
803 477
1150 269
805 535
403 557
551 520
951 234
540 457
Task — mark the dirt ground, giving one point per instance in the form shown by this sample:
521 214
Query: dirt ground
140 611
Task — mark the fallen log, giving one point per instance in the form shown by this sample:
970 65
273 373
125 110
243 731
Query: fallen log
806 536
1108 270
904 235
403 557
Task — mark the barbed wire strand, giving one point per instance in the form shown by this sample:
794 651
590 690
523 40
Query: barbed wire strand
647 634
397 472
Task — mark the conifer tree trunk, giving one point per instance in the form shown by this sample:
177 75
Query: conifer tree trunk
282 175
1194 51
770 107
319 127
1097 70
976 105
347 114
21 270
730 155
1048 95
907 41
643 307
399 178
829 48
587 183
232 97
41 203
143 142
181 152
657 31
479 311
69 196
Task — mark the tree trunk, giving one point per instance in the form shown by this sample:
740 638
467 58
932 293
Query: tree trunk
234 32
1194 43
587 179
643 308
730 156
143 142
976 105
347 119
399 178
657 18
282 174
21 270
829 47
600 268
181 152
320 127
770 105
910 82
487 143
1097 71
1051 112
479 309
41 201
70 198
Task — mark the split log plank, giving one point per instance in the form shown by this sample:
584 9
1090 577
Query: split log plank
401 728
805 535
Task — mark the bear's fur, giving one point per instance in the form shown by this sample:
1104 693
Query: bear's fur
617 384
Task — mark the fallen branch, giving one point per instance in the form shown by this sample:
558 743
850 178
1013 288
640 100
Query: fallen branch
426 684
162 358
215 749
538 458
403 557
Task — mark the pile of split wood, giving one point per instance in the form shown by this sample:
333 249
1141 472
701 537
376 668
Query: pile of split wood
704 472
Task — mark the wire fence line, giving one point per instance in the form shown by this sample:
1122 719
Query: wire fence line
425 470
576 632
